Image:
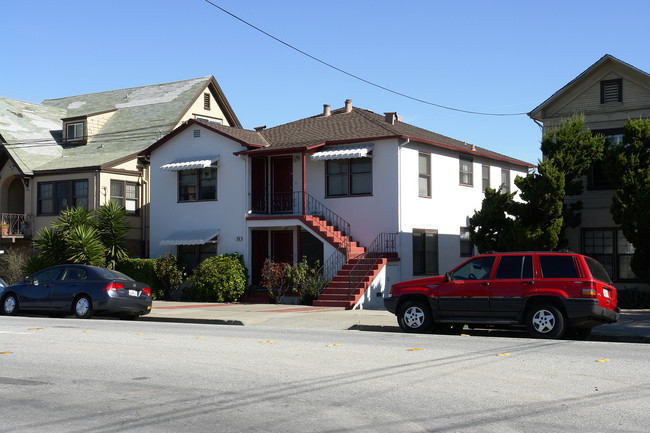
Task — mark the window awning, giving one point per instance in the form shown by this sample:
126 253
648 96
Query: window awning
357 151
191 237
190 163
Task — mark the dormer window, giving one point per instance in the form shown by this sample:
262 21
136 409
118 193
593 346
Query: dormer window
611 91
75 131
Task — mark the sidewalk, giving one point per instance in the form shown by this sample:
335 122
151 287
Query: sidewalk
633 326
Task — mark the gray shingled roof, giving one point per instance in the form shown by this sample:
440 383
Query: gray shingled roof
140 116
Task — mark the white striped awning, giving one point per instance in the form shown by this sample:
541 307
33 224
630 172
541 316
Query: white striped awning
190 164
346 152
191 237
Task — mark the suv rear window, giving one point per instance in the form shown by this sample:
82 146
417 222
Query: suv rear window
598 271
558 267
515 267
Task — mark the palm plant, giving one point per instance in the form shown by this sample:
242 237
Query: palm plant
112 229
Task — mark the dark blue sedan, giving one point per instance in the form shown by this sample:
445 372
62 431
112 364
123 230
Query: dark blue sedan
80 290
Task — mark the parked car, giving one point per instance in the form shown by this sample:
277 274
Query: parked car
80 290
552 294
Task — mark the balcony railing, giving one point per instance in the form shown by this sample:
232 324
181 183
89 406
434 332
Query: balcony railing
13 224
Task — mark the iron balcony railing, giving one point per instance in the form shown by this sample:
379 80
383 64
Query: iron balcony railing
13 224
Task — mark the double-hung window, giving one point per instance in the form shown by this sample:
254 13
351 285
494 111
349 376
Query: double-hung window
424 175
197 185
466 245
485 177
466 171
126 195
349 177
505 180
53 197
425 252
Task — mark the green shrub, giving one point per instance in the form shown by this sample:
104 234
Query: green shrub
302 279
633 298
12 265
219 279
143 270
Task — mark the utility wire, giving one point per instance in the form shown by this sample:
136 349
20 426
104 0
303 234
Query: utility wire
356 77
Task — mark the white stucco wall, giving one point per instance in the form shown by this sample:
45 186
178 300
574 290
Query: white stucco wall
227 213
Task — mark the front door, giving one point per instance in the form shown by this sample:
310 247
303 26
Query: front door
282 246
282 184
259 252
259 180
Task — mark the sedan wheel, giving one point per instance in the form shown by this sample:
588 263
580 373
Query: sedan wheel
545 321
414 316
83 307
10 305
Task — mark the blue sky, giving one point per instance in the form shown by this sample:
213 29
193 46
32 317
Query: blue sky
496 56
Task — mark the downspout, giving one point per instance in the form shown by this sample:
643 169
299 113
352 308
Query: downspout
399 192
143 212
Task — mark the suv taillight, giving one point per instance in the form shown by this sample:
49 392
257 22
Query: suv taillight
589 289
113 287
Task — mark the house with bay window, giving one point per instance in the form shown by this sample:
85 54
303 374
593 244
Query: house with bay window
608 93
83 151
373 199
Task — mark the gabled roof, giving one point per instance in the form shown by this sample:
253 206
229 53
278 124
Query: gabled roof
36 127
606 62
353 125
139 117
245 137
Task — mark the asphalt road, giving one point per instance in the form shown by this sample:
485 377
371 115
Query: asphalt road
72 375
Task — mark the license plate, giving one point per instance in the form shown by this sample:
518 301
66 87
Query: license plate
134 293
606 293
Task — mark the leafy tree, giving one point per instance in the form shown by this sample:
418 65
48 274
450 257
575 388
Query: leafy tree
572 149
489 226
538 219
628 164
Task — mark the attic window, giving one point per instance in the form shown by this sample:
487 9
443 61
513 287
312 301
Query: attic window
611 91
206 101
74 131
197 133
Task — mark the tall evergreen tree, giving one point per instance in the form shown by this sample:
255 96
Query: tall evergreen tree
538 219
628 164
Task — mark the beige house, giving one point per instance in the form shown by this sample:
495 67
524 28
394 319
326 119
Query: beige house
608 93
83 151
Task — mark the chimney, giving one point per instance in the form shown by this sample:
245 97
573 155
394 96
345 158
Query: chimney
260 128
326 110
348 105
391 117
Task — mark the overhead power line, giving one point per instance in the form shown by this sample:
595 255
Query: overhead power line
356 77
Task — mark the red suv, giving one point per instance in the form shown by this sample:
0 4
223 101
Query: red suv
553 294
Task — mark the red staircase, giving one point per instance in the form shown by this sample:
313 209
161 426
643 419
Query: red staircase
345 289
356 275
335 237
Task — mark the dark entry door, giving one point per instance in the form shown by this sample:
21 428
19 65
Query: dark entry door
259 182
282 184
282 246
260 251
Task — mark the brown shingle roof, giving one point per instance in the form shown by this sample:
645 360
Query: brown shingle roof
360 125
